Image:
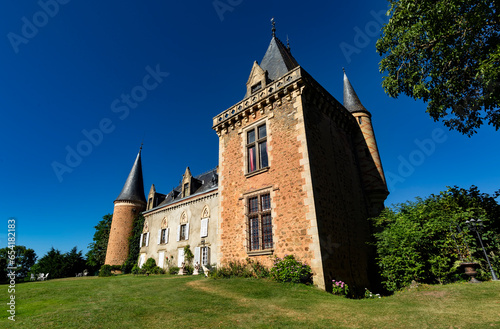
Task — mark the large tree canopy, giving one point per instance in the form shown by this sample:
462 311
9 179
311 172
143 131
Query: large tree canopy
447 53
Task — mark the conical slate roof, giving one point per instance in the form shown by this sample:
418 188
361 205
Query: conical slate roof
278 60
133 190
351 100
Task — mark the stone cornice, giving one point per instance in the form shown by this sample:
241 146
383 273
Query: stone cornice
260 101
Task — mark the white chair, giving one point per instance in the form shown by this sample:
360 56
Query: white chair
32 277
40 277
46 277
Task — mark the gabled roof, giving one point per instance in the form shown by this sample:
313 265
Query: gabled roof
133 190
278 60
351 100
208 181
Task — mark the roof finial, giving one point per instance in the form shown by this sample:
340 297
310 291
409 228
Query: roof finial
140 149
343 70
287 42
274 27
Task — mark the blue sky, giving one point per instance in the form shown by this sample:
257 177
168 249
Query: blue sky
67 67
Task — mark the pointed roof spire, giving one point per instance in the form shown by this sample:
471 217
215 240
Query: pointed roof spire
133 190
278 59
351 100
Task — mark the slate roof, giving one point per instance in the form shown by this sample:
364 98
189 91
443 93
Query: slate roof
206 182
133 190
351 100
278 60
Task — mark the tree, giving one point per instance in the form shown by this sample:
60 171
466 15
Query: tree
24 259
52 262
60 265
447 53
73 263
419 240
96 255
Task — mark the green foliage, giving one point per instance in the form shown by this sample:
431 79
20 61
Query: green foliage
22 258
136 270
188 254
97 249
173 270
249 269
150 263
446 53
105 271
419 240
73 263
60 265
133 244
232 270
288 269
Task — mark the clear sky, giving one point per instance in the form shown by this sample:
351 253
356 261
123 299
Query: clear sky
71 131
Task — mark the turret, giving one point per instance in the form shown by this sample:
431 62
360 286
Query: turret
366 145
130 203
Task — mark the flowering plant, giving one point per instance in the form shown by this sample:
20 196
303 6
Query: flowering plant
340 288
369 294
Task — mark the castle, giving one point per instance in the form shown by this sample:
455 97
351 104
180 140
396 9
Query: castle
299 173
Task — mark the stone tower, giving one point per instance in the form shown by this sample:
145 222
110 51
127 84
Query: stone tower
130 203
295 173
368 155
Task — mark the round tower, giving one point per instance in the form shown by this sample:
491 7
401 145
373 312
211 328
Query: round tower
369 159
130 203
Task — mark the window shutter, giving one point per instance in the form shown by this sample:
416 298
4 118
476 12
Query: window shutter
187 231
197 255
147 239
161 259
140 241
178 233
159 236
166 234
180 257
204 227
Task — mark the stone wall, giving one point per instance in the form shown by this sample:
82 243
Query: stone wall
188 211
339 197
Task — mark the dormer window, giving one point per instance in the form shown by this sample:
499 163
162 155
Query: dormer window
186 190
256 87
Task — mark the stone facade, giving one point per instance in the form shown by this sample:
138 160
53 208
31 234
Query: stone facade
190 211
299 173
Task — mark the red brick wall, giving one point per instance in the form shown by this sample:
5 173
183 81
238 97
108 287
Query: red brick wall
290 227
121 229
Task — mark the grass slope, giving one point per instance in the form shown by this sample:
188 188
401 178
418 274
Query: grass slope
189 302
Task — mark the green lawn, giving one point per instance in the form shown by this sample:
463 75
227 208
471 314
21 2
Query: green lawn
195 302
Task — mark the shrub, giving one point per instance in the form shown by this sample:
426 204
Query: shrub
149 265
136 270
288 269
259 270
157 270
173 270
105 271
423 239
127 267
